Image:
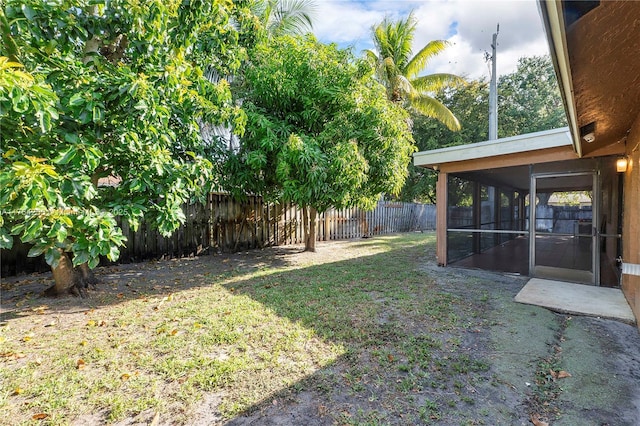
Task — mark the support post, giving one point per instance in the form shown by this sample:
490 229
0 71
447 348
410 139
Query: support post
442 201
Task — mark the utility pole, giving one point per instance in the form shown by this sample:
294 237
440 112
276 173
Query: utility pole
493 90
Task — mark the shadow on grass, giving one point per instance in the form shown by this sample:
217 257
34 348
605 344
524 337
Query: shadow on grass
409 350
365 338
120 283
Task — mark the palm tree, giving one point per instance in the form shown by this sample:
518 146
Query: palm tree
285 16
399 71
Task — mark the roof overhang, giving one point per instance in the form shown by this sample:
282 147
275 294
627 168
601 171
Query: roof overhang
553 21
513 147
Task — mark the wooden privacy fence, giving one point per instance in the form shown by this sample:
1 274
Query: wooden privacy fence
225 225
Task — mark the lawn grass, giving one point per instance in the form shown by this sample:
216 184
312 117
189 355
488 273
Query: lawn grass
369 323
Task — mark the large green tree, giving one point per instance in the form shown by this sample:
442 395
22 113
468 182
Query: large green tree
320 131
114 89
470 103
529 99
400 71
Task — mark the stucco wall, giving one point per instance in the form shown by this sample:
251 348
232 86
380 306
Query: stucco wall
631 219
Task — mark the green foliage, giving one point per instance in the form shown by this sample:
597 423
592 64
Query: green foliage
280 17
471 104
399 71
528 101
109 89
320 131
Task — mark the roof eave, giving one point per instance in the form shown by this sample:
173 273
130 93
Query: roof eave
512 145
553 20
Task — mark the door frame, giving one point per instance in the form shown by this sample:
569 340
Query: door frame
595 225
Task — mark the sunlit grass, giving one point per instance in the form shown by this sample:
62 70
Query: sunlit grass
245 333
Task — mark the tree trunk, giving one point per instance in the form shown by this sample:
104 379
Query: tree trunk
309 218
86 274
66 279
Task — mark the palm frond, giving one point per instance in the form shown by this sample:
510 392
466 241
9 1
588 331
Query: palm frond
371 57
398 71
289 16
435 82
420 61
403 89
389 68
433 108
394 39
261 9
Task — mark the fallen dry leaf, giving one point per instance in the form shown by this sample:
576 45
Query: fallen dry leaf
537 421
18 391
390 357
559 374
40 309
39 416
563 374
17 355
80 364
125 376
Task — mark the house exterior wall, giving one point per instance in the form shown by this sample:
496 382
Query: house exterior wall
631 219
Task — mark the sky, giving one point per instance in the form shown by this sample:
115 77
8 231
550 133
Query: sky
467 24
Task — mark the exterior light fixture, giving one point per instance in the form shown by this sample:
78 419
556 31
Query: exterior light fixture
589 137
621 164
588 132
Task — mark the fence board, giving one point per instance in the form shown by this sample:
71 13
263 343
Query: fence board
222 224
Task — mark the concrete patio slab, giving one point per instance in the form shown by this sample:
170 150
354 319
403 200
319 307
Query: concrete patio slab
577 299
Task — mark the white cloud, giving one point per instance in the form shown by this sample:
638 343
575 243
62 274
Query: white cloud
345 23
467 24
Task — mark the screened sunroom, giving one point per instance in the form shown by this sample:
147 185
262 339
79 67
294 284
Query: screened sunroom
528 205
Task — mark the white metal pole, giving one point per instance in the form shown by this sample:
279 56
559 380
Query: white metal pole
493 90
